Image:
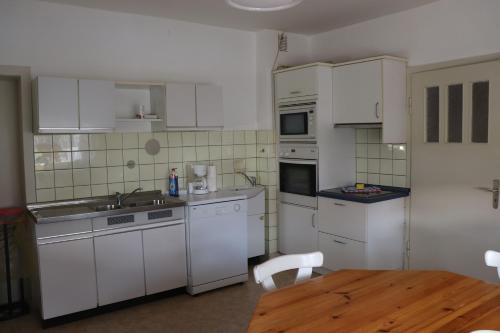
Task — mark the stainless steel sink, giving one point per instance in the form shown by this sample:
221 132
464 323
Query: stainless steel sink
103 208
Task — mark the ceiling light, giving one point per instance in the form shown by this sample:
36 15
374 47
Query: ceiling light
263 5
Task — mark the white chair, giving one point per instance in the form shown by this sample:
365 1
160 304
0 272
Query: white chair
263 273
492 259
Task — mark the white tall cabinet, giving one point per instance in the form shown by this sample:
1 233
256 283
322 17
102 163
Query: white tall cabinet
96 105
372 93
56 104
190 105
66 105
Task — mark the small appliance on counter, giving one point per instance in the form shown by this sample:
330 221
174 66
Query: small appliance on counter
200 183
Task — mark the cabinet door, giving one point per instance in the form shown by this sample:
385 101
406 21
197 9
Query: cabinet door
297 229
209 112
96 105
120 267
257 205
341 253
357 93
165 258
67 277
57 104
256 237
180 105
296 83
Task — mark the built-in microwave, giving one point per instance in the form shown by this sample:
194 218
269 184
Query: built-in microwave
297 121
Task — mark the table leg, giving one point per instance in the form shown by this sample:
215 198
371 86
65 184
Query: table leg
7 267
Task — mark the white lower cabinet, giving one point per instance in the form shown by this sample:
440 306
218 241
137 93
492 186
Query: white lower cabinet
67 277
341 253
120 267
297 229
359 235
165 258
256 225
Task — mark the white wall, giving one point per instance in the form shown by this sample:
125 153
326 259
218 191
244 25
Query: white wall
64 40
440 31
267 45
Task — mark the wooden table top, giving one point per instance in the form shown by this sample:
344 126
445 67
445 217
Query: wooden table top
380 301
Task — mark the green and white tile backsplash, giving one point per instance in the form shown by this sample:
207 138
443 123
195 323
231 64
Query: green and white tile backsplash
70 166
379 163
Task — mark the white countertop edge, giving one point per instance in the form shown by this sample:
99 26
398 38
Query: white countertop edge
221 196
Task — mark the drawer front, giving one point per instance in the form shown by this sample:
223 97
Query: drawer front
341 253
63 228
342 218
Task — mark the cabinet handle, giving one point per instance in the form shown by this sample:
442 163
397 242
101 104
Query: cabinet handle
377 114
261 217
295 92
339 242
339 204
312 220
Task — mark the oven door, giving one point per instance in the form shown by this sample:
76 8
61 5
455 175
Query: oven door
298 181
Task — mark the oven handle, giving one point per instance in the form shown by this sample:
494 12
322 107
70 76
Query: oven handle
297 161
290 111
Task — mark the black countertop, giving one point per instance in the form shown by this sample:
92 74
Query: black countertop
388 193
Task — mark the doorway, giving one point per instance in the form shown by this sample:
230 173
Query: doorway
455 160
11 165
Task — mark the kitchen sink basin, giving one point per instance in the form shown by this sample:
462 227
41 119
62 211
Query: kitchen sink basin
147 203
107 207
104 208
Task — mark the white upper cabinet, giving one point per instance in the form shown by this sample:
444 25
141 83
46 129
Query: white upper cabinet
372 93
297 83
96 105
209 112
357 93
180 105
56 104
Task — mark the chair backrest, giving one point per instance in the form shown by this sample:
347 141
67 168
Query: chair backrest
263 273
492 259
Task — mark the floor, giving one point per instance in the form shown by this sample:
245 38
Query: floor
227 309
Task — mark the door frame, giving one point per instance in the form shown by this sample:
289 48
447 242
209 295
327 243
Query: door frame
410 72
22 75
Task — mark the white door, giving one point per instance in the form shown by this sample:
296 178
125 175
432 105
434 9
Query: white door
165 258
297 229
209 112
96 105
120 267
67 277
455 158
180 104
357 93
57 104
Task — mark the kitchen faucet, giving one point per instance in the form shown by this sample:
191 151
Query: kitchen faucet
121 197
251 179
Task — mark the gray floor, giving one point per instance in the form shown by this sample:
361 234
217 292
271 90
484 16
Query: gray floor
224 310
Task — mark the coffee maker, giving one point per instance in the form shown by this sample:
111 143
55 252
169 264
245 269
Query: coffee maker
200 182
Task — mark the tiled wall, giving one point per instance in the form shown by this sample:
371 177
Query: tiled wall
378 163
83 165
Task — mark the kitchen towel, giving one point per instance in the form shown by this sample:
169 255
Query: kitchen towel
212 178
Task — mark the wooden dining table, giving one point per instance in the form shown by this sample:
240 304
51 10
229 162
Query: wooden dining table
380 301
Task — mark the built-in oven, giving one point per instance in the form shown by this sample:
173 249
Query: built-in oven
298 174
297 121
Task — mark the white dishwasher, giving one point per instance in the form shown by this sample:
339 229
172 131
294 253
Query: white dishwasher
217 245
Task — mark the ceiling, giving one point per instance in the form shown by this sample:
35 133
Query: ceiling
309 17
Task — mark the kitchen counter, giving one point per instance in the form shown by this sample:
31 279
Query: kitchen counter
233 193
388 193
59 211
